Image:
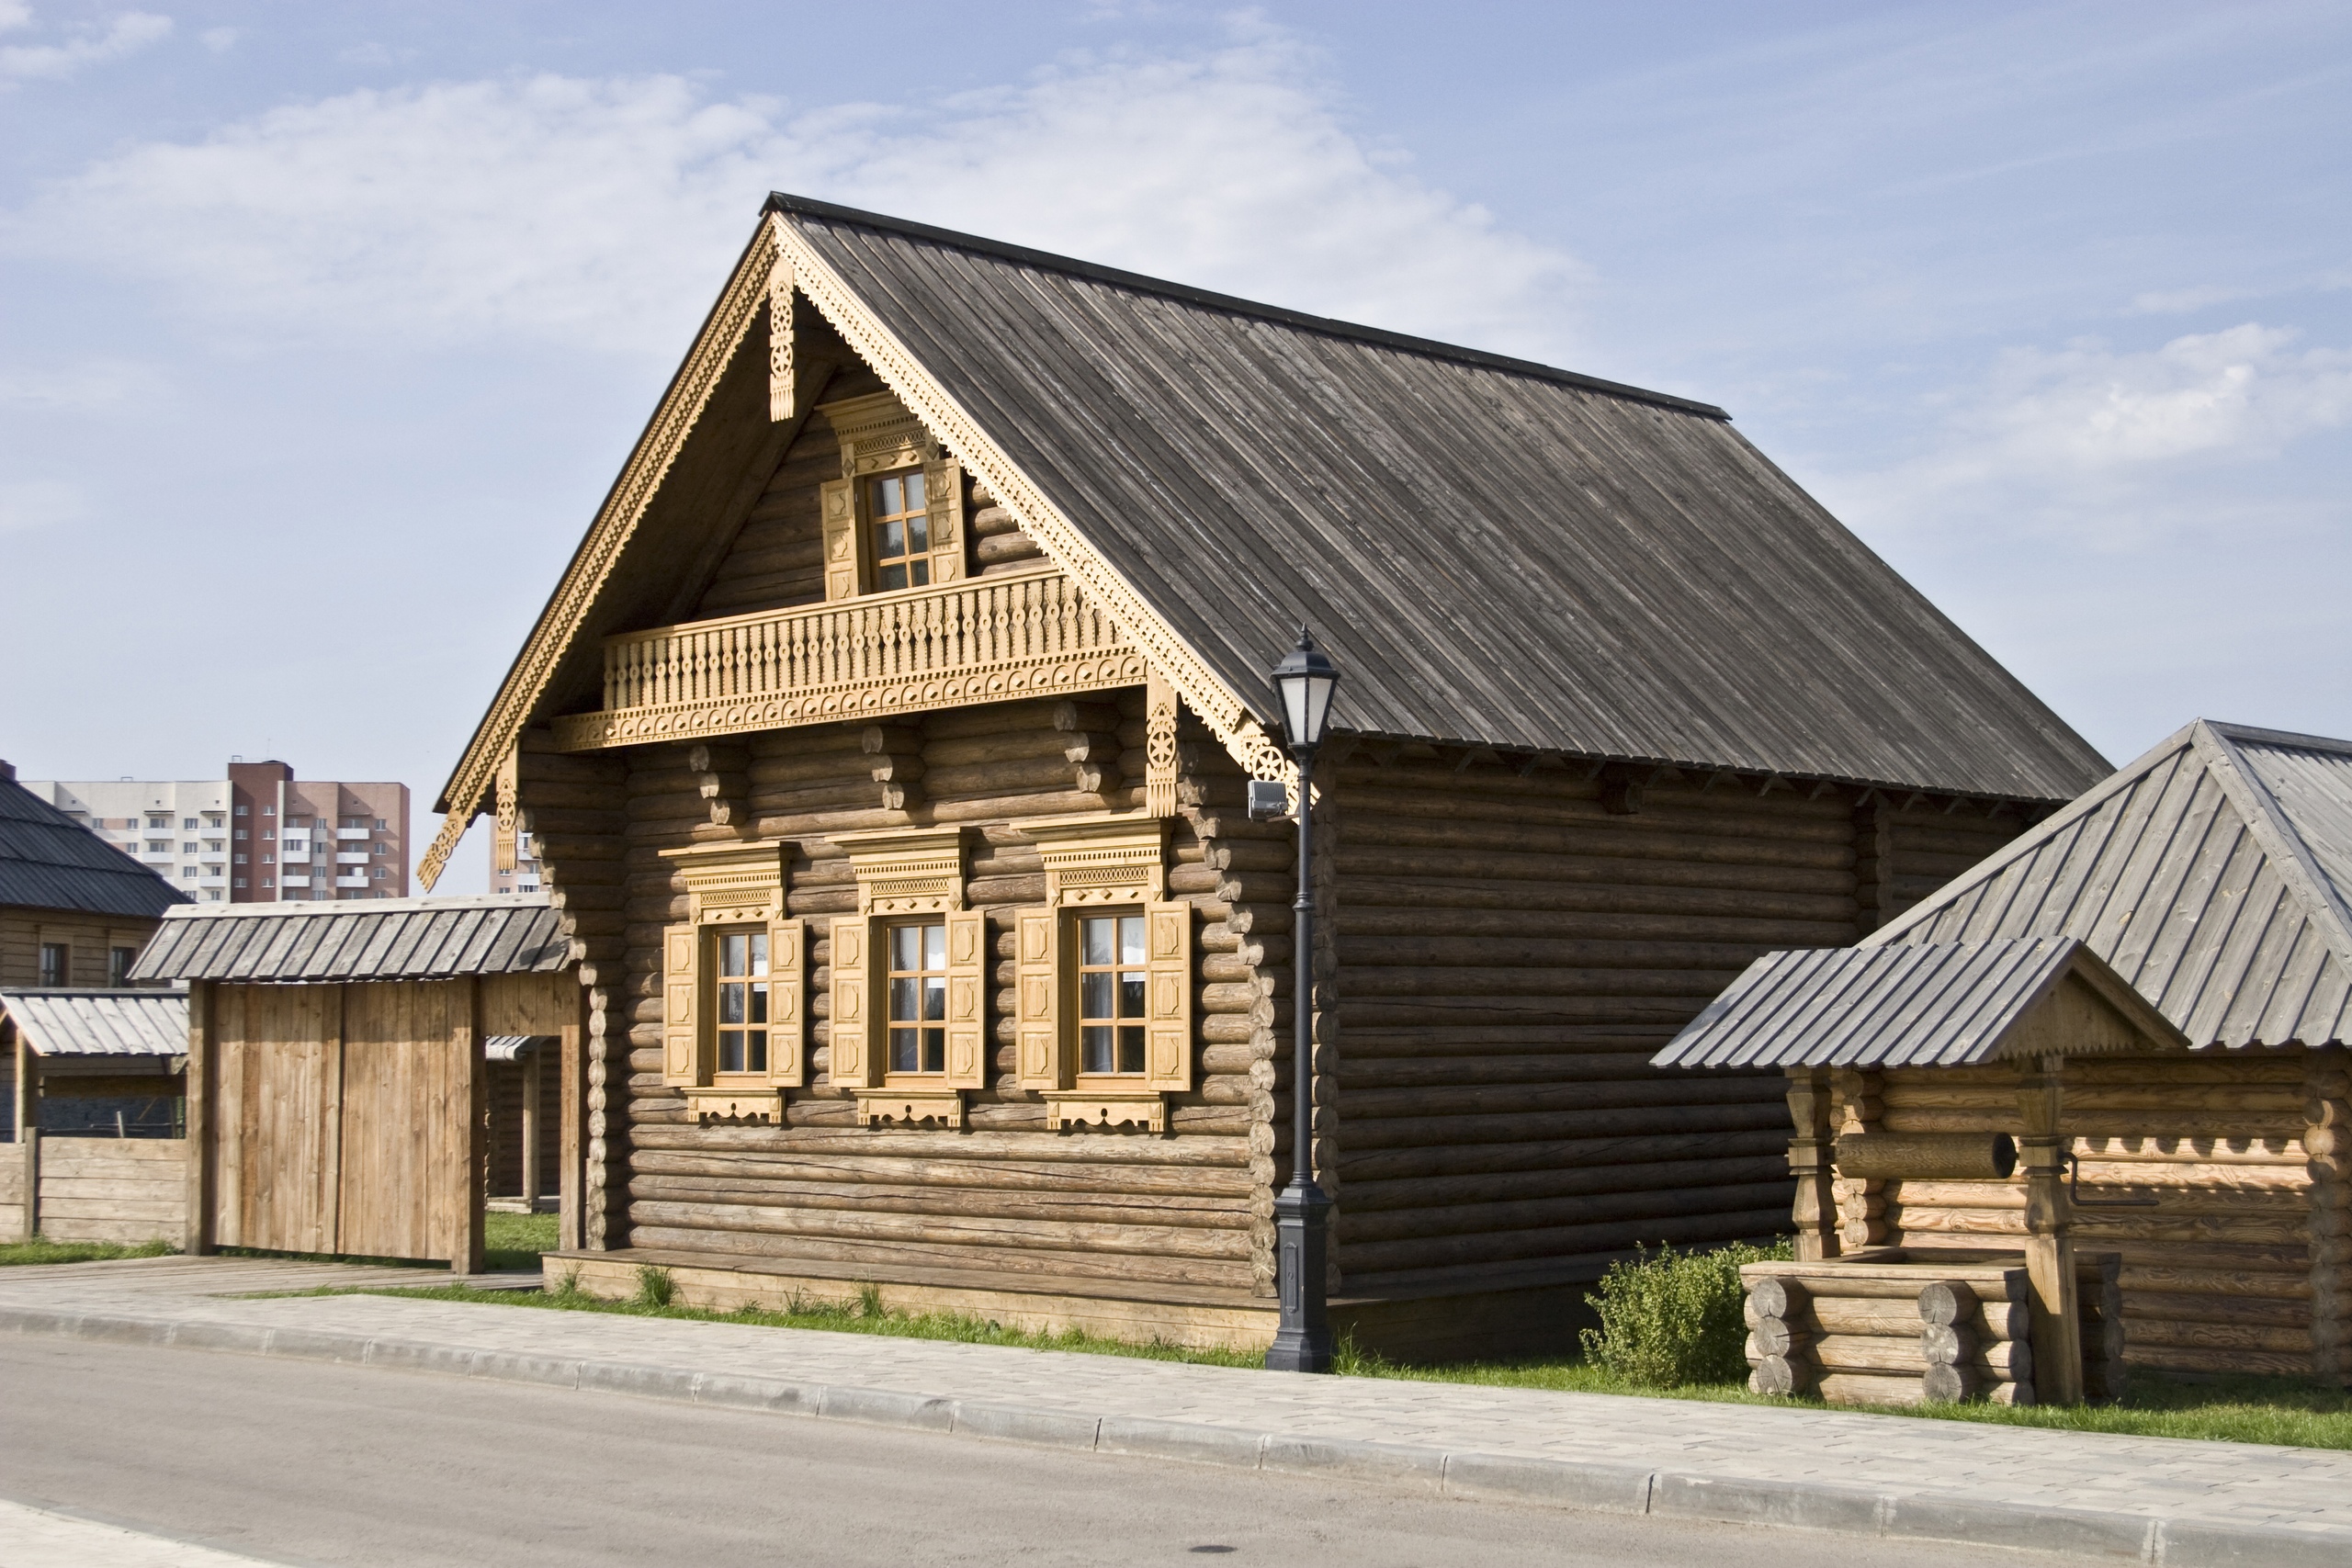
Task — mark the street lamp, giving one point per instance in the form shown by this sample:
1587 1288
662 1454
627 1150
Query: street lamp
1304 681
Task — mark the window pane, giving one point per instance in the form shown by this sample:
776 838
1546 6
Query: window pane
759 1004
893 577
918 533
934 947
913 493
888 499
759 952
1094 1041
731 1050
934 1000
1094 994
1131 940
906 1000
921 573
730 1003
1130 995
935 1050
1097 941
890 540
902 1051
906 947
756 1055
1131 1048
731 955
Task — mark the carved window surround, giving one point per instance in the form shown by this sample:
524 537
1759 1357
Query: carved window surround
879 436
992 640
730 888
904 873
1105 864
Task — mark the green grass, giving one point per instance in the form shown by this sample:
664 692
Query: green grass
515 1241
40 1251
2242 1410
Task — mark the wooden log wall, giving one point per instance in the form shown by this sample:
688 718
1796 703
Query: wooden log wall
1005 1198
89 940
120 1189
2239 1266
1513 945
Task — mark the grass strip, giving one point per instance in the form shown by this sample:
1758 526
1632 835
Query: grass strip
40 1251
2285 1411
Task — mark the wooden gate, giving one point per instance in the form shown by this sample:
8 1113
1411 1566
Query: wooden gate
351 1119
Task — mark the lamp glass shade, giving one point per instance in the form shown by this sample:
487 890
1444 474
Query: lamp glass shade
1305 680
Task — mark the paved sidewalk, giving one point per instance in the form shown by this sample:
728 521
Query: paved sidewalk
2155 1500
35 1538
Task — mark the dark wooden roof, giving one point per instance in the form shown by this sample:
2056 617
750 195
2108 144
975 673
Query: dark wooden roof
1945 1004
2214 874
1495 552
86 1022
381 938
47 861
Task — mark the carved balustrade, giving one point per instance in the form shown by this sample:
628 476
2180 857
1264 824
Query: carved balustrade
984 639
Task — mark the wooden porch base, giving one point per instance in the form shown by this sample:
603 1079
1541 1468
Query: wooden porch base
1523 1320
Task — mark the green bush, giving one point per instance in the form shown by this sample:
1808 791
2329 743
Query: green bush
1672 1318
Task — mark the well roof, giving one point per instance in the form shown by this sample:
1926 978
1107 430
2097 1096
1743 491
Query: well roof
385 938
85 1022
2212 874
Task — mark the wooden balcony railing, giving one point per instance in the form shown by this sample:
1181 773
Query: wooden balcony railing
993 639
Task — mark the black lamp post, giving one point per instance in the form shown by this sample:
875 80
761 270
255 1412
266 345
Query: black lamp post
1302 1341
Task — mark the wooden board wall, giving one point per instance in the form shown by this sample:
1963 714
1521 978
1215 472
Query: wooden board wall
2223 1273
119 1189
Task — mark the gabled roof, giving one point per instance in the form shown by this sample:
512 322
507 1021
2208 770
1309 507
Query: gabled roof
47 861
382 938
86 1022
2212 874
1947 1005
1495 552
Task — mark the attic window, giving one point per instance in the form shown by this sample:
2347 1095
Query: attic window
901 531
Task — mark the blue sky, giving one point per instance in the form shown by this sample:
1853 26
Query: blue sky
324 327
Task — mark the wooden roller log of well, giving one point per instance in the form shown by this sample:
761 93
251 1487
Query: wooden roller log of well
1945 1344
1948 1383
1932 1156
1773 1297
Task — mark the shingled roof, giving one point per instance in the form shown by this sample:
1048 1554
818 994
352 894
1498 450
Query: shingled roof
2213 874
1495 552
47 861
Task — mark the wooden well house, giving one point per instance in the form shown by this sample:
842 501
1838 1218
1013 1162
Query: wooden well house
886 741
340 1069
2210 877
98 1082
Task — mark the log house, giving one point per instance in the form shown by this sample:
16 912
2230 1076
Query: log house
886 743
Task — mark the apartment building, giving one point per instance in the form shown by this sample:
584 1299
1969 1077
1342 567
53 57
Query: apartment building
257 836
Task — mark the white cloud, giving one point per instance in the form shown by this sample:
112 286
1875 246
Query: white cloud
37 503
601 212
131 31
2180 301
220 40
81 387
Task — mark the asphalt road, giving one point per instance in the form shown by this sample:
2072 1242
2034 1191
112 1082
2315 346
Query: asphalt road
302 1462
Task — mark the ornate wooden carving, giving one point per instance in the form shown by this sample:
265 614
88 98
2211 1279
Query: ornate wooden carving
780 388
980 642
1161 704
732 884
901 871
501 855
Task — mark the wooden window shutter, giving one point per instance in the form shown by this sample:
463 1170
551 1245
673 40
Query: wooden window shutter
853 1054
1042 1061
1168 1060
838 500
942 489
968 1057
788 1003
681 1043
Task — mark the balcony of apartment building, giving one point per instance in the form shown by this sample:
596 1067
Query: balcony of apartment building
351 881
344 835
350 857
294 879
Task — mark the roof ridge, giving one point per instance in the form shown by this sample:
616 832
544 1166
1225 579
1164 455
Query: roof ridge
2268 820
785 202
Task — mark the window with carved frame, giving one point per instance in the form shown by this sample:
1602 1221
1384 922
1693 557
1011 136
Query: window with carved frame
1104 974
909 1027
899 529
734 974
894 521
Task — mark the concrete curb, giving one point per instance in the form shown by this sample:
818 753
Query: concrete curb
1560 1483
